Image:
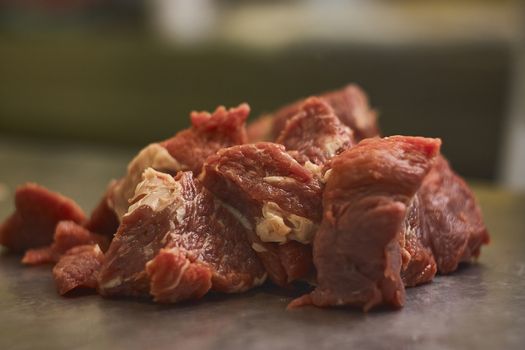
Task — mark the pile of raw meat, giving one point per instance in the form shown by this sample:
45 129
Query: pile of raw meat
309 194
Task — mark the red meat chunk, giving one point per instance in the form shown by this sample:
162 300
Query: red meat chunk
356 250
453 219
279 198
209 133
315 133
78 268
181 219
68 234
38 211
350 104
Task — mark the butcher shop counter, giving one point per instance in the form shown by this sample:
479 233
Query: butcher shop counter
481 306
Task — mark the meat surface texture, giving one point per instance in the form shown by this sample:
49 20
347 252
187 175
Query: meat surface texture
315 133
68 234
37 212
209 133
356 250
78 268
174 237
350 104
279 199
453 219
419 265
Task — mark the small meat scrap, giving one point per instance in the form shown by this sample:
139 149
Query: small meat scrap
78 268
68 234
209 132
176 276
277 197
356 250
315 134
37 213
350 104
176 242
453 219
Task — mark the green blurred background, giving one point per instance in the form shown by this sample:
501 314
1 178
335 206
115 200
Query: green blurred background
117 73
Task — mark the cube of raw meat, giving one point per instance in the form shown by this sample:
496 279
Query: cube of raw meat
37 213
176 228
78 268
356 250
68 234
187 150
453 219
279 199
315 134
350 104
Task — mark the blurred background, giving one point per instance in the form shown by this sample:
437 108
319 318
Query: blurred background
86 79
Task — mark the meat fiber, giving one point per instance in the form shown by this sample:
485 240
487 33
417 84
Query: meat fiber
37 213
176 242
419 265
356 250
103 219
279 199
78 268
453 219
350 105
315 133
68 234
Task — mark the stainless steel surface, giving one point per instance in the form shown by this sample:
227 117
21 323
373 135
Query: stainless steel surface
482 306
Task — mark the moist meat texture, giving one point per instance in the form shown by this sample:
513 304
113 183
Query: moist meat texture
419 265
453 219
356 251
68 234
279 199
78 268
176 242
315 133
37 213
209 133
350 104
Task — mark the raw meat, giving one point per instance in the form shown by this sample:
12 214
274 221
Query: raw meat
209 133
356 251
315 133
419 265
103 219
453 219
78 268
38 211
279 199
68 234
350 105
193 232
260 129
